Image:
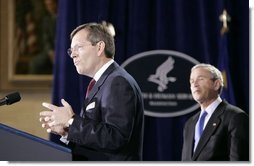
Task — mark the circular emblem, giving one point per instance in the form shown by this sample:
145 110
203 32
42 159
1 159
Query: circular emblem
163 76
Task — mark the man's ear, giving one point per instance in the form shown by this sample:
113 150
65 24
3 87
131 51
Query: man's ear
217 84
100 47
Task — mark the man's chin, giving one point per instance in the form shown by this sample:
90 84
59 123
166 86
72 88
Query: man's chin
198 100
78 70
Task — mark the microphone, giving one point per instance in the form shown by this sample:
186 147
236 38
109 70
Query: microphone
10 99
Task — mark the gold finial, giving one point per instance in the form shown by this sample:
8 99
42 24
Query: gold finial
224 18
110 27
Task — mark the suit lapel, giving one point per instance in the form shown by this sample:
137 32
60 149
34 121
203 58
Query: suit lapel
210 128
190 134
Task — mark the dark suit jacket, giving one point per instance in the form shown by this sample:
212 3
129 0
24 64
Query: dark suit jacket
111 127
225 137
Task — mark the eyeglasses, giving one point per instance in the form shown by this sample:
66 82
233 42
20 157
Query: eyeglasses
76 48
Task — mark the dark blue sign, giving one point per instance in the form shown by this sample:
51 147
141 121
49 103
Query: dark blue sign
163 76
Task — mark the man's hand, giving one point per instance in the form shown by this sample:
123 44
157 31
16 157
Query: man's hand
58 118
55 129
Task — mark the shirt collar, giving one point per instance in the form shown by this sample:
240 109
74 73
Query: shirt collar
211 108
99 73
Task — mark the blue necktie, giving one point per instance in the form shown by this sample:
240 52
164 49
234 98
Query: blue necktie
199 128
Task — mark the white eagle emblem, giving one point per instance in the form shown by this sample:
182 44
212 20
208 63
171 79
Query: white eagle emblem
160 77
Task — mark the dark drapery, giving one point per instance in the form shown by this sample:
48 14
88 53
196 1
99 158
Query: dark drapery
192 27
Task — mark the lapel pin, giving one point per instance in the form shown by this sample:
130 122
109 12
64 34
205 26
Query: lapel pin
214 124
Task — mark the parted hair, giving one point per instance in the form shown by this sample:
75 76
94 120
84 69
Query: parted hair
96 33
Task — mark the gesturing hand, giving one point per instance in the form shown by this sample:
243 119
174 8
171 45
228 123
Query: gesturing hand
54 129
58 116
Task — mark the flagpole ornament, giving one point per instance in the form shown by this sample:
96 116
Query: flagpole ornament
110 27
224 18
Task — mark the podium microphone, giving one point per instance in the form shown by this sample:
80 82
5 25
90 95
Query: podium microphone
10 99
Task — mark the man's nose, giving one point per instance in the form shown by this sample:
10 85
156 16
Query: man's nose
73 54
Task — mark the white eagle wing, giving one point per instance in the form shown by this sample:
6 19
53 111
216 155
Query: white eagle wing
163 70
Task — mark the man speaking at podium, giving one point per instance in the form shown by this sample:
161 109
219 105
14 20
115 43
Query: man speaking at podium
110 126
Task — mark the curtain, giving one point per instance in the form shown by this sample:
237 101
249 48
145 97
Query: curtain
192 27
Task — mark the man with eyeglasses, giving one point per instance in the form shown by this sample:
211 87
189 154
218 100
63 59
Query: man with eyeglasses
220 131
110 126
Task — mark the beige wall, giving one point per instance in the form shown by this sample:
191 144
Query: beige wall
34 89
24 115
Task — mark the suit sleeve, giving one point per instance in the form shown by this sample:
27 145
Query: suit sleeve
117 116
185 144
239 137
